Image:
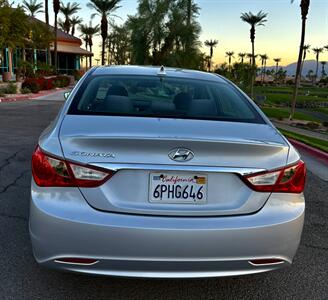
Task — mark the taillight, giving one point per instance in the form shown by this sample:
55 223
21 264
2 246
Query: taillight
50 171
290 179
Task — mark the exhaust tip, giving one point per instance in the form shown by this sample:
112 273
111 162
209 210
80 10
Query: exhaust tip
266 261
77 261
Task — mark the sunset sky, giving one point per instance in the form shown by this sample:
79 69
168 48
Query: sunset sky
220 19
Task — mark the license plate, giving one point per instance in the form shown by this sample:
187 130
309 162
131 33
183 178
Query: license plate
177 188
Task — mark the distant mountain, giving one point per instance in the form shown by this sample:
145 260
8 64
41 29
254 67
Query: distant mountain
308 65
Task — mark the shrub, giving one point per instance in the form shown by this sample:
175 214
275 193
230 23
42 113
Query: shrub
26 69
61 81
47 84
25 90
78 74
44 70
313 125
37 84
11 88
33 84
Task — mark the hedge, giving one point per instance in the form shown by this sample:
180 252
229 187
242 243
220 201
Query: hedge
36 85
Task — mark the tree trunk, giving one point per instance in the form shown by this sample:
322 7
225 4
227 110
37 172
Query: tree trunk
10 62
303 60
55 46
253 69
189 13
90 59
46 11
67 25
298 70
317 70
103 51
302 66
104 35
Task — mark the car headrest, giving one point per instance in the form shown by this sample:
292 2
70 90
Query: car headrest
117 90
118 104
182 101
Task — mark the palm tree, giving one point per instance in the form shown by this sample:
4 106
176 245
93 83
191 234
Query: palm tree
250 56
211 44
189 16
317 52
92 31
74 21
83 28
56 7
68 10
254 20
241 56
277 61
230 55
306 49
61 24
264 58
323 71
207 62
104 8
46 11
305 5
33 7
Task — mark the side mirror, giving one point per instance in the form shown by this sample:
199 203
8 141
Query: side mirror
66 95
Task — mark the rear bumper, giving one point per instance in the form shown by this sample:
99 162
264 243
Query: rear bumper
62 224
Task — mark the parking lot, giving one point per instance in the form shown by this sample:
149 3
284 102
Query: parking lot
21 278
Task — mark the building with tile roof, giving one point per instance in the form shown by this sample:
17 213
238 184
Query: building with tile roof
69 54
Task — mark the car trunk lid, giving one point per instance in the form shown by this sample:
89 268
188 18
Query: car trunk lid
138 148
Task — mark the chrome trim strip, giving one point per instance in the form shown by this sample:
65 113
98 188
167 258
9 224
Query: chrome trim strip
75 264
267 264
116 167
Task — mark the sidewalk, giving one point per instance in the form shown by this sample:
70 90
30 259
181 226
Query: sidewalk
41 94
301 131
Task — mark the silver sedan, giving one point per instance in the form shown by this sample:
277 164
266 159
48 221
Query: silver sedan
168 173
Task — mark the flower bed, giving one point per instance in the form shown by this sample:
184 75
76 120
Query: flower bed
36 85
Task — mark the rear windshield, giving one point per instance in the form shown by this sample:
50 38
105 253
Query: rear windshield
162 97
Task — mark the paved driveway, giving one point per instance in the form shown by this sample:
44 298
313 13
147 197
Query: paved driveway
21 278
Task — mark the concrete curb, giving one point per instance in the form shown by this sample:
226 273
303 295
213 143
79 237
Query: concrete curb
313 151
31 96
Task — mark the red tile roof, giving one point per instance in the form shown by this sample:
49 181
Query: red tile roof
61 35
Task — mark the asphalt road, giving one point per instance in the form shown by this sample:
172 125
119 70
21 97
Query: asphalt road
21 278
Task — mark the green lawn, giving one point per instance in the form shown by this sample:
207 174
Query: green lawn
323 110
316 143
289 89
279 113
285 98
280 95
